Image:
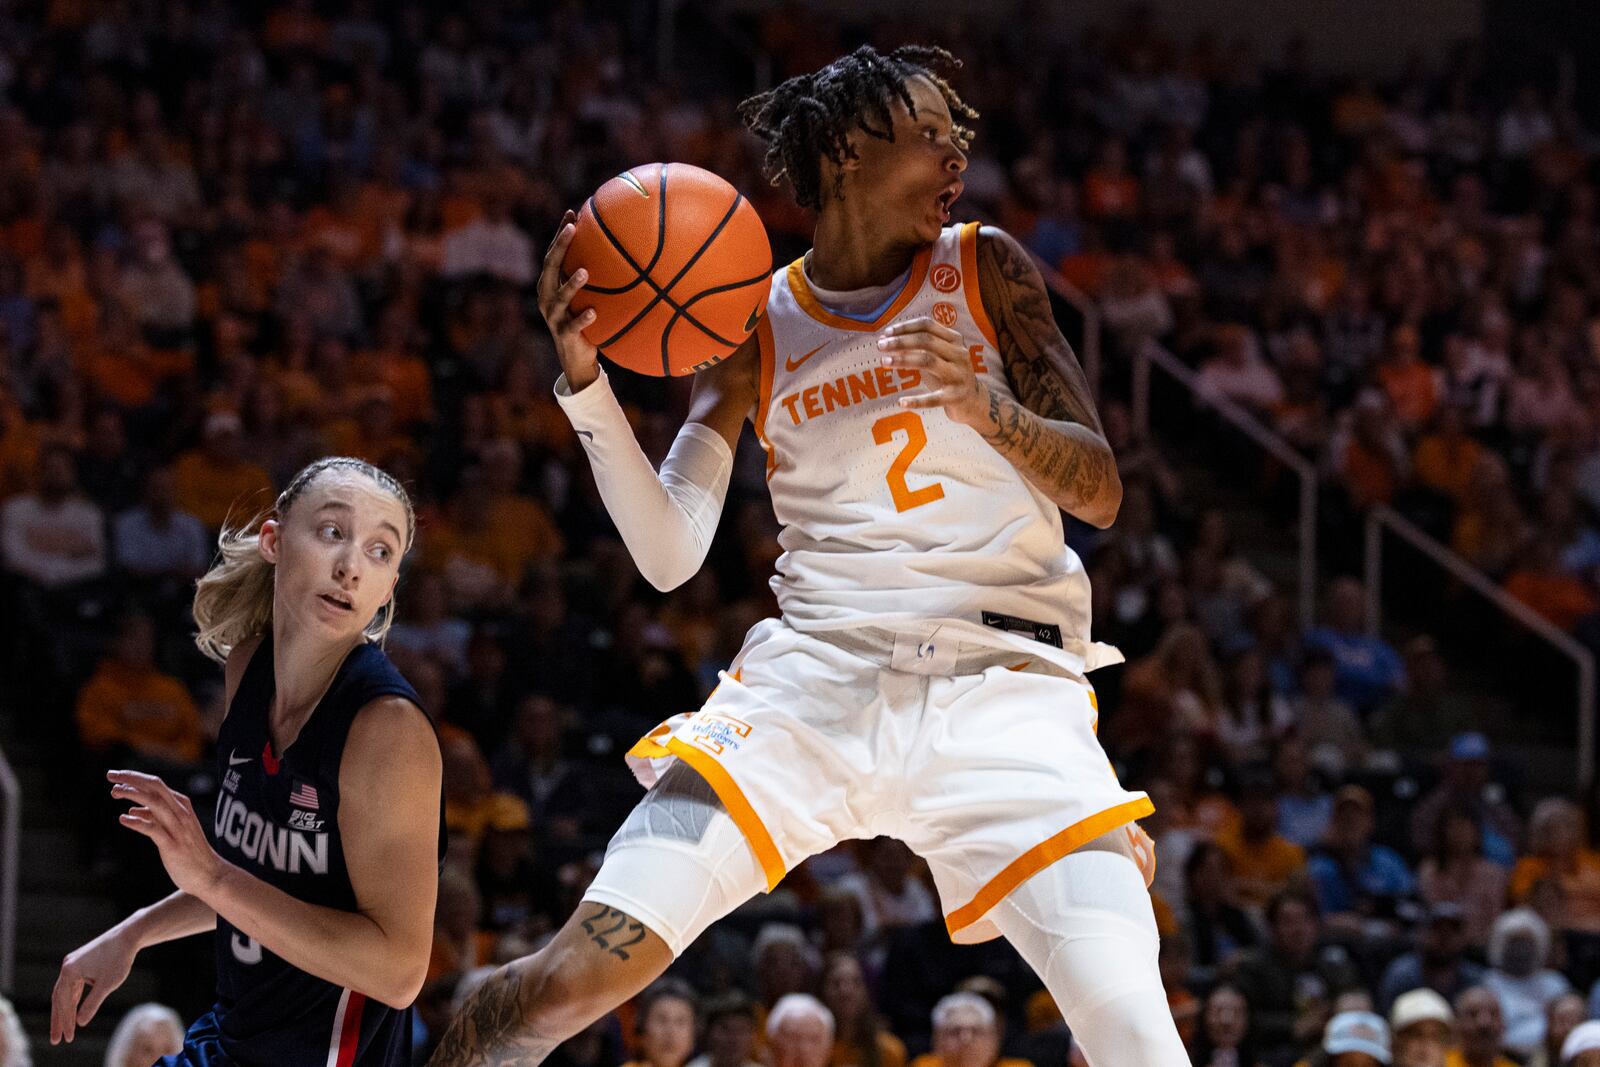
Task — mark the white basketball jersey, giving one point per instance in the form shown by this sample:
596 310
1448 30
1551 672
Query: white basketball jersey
897 518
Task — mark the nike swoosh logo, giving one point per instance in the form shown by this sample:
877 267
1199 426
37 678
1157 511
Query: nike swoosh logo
586 434
628 177
755 317
234 761
792 364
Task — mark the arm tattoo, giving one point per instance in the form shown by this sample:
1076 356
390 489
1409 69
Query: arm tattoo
616 938
485 1033
1051 431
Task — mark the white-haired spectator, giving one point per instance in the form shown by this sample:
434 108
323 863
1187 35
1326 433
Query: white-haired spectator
783 961
799 1032
966 1033
145 1034
1519 946
13 1042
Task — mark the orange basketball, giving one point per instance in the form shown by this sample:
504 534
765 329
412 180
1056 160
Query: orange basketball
679 268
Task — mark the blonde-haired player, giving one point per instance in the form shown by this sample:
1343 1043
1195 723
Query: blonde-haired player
924 420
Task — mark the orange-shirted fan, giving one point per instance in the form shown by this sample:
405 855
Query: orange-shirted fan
679 268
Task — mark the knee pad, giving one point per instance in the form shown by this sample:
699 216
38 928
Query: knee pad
678 863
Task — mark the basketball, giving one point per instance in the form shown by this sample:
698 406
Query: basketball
679 268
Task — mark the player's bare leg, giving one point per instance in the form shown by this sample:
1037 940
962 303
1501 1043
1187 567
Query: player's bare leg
598 960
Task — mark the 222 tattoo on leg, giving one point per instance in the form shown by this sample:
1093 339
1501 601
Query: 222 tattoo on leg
617 936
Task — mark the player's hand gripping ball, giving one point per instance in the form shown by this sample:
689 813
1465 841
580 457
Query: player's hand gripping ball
676 266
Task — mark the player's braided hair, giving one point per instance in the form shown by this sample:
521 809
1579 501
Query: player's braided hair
810 116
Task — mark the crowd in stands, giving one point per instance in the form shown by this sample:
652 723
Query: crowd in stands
235 237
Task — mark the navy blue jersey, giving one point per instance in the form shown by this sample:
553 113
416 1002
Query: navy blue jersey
277 817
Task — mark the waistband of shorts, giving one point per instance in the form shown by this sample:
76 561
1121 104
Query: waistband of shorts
876 645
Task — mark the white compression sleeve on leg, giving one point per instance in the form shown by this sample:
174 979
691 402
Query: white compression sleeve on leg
666 519
1085 925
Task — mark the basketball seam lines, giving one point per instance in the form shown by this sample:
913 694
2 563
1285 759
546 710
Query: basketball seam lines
661 292
683 314
661 240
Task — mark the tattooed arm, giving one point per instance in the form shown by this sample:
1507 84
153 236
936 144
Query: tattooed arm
1053 435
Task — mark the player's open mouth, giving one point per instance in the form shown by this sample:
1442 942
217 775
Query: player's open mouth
947 199
337 602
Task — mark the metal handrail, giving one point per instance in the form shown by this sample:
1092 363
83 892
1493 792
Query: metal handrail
10 832
1381 516
1151 354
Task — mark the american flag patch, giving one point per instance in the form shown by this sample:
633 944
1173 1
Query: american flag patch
304 795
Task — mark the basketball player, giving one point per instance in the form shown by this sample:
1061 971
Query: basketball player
320 871
924 420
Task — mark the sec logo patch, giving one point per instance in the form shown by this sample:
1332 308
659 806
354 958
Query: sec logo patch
944 314
945 278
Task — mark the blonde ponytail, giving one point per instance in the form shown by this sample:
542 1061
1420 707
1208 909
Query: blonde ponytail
233 601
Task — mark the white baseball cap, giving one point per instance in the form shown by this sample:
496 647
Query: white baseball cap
1419 1006
1585 1037
1357 1031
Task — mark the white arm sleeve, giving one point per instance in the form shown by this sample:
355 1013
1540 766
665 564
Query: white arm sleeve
666 520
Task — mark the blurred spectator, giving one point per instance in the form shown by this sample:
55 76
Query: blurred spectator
52 537
459 943
530 766
1368 669
215 483
1238 373
156 542
666 1025
783 962
1458 874
966 1033
145 1034
1291 983
1358 882
491 244
14 1050
427 628
1562 1015
861 1038
470 803
1466 787
1519 949
1438 963
1423 1027
1173 958
1304 807
1481 1031
1355 1039
890 893
1428 711
1219 929
1324 723
730 1032
799 1032
131 710
1263 861
1557 849
1225 1037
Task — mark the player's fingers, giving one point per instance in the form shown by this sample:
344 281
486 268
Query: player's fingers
938 398
98 992
570 287
569 216
569 324
922 324
141 820
550 276
910 357
63 1005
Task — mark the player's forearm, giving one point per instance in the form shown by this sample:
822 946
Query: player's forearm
1071 463
346 948
667 518
168 919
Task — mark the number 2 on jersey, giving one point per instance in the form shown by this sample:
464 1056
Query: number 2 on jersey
883 431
